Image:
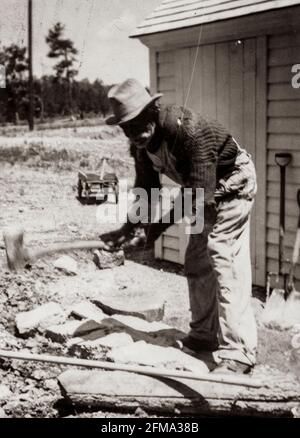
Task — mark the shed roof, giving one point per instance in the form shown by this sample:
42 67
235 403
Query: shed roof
177 14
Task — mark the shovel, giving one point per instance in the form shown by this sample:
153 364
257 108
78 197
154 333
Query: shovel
274 310
292 308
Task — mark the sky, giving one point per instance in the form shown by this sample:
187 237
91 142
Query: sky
99 28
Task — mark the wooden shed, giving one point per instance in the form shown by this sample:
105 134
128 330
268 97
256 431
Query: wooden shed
232 60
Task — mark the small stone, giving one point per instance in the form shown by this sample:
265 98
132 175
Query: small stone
153 355
39 318
2 413
139 412
5 393
87 349
31 343
133 305
107 260
62 332
51 384
39 375
67 265
25 389
87 310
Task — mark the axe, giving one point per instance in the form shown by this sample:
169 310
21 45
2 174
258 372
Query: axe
18 256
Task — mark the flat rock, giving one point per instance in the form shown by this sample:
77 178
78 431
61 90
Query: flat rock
5 393
87 310
66 264
140 324
107 260
97 347
40 318
70 329
141 353
139 329
280 397
133 306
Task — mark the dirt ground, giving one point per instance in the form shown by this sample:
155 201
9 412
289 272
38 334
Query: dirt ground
38 177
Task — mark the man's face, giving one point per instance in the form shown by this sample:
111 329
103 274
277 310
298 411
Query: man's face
139 130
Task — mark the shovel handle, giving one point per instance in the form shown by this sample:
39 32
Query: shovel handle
296 250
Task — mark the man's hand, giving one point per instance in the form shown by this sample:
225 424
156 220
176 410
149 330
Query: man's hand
123 239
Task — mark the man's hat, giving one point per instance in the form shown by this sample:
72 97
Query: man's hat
128 100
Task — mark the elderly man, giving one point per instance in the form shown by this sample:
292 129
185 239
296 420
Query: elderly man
198 153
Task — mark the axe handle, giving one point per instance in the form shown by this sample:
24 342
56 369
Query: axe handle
146 370
66 246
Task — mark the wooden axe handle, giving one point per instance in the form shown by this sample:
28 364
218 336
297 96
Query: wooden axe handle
146 370
66 246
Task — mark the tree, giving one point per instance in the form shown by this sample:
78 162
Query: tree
63 49
15 61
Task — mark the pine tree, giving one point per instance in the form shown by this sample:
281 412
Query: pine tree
63 49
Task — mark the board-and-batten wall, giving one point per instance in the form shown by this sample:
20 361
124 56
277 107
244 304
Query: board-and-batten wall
219 81
283 135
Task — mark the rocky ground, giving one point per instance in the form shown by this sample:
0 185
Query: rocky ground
38 177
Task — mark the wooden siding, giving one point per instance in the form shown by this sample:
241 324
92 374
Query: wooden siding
283 135
219 81
176 14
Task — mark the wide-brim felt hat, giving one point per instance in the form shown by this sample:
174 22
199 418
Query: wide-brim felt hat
128 100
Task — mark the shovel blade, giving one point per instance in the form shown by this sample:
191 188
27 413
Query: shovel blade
273 312
292 309
280 313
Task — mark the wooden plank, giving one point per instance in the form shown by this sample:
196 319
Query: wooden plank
292 176
195 101
283 92
284 41
171 242
295 158
120 390
169 97
280 75
209 91
158 248
285 56
290 191
284 108
260 161
166 56
173 7
153 71
273 207
284 142
171 255
166 70
273 238
172 231
284 125
192 19
166 84
182 68
272 266
236 91
249 134
223 84
290 222
268 23
189 13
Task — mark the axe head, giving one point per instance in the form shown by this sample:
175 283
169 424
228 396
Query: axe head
17 255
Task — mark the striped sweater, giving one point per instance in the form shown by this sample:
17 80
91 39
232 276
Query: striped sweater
203 150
